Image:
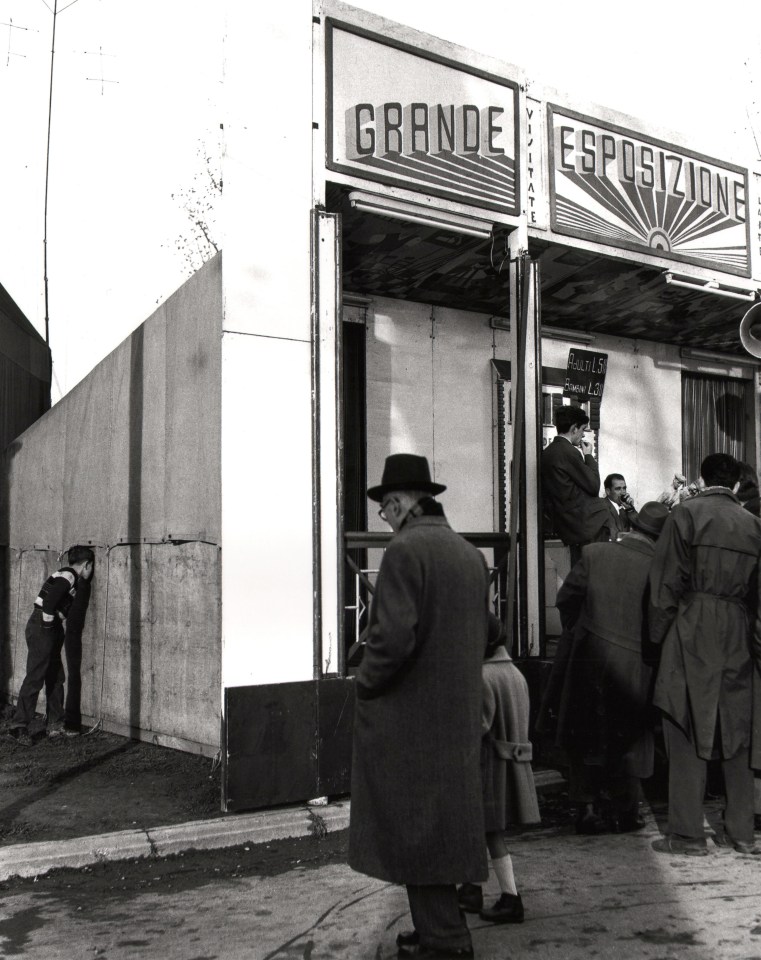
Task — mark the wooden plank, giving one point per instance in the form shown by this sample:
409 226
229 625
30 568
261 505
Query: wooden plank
91 669
127 645
185 641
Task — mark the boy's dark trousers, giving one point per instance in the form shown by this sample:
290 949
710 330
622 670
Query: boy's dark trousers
43 669
73 651
75 622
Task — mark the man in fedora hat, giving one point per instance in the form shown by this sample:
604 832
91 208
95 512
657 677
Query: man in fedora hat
705 612
416 806
600 686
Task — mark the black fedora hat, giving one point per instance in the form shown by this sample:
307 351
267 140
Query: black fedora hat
405 471
651 517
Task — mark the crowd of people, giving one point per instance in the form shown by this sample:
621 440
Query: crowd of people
661 621
661 618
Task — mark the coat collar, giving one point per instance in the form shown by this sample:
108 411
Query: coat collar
638 542
424 521
718 491
499 654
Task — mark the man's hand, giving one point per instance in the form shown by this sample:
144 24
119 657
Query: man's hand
586 447
626 501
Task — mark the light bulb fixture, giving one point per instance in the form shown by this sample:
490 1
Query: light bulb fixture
710 286
417 213
548 333
712 356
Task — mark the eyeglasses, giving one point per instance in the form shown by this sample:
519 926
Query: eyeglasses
382 511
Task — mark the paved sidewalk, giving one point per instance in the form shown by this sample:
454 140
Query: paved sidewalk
609 897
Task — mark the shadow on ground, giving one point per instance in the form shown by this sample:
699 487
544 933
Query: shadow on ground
99 783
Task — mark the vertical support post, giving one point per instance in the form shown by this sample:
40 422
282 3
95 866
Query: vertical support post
327 441
533 545
525 598
517 346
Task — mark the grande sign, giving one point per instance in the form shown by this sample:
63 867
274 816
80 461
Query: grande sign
623 189
403 116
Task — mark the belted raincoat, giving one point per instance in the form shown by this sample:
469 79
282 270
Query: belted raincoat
704 609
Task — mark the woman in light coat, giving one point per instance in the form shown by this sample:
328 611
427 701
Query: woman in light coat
507 779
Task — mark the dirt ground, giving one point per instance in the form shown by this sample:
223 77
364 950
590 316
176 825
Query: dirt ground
98 783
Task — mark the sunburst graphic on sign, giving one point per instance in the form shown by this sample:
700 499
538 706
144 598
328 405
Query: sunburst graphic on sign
626 214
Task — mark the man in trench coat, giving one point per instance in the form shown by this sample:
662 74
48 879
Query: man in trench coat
704 596
416 805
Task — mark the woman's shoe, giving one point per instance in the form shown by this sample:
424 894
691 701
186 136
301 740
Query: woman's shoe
508 909
409 939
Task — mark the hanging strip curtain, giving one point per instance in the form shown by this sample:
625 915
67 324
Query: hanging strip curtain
713 412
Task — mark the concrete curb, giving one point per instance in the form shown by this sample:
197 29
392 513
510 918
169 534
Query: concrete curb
36 859
262 826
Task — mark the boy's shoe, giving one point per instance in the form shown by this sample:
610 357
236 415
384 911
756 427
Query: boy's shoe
21 736
55 732
470 897
508 909
71 732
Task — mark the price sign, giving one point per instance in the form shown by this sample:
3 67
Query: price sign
585 375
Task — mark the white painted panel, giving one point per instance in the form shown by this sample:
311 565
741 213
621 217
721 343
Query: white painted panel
331 558
399 386
268 168
267 613
462 352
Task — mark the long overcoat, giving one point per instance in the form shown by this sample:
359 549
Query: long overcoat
570 487
416 805
601 683
705 611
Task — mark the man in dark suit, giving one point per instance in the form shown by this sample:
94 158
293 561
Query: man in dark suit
571 483
620 506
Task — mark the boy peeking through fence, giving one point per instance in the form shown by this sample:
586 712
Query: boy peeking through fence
45 632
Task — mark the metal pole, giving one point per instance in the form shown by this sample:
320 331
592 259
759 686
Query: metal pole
47 178
517 326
